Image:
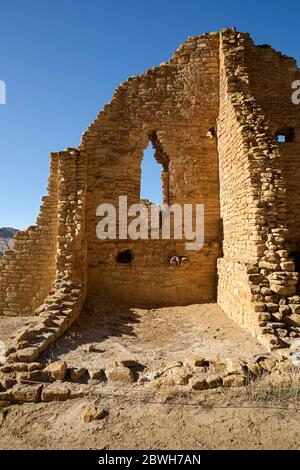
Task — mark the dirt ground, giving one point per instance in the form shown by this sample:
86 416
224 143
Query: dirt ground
152 337
191 420
10 324
142 416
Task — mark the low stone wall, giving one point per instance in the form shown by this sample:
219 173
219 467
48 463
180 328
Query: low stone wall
65 301
33 382
55 316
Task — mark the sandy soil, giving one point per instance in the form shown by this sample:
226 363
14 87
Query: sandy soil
191 420
145 416
10 324
152 337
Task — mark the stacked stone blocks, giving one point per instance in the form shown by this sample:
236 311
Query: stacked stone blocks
214 131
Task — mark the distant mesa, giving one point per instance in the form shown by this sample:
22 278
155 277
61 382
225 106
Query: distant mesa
7 235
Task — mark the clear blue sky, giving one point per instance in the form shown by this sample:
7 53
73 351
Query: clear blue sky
62 59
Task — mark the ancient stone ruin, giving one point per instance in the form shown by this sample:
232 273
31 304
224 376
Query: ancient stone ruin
220 117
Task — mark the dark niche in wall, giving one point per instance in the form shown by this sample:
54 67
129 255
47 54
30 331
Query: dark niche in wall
124 257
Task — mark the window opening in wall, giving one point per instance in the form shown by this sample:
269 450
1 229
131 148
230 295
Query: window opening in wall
151 187
286 134
124 257
155 176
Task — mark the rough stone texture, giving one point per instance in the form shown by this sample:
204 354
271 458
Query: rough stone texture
55 392
96 374
57 370
26 393
172 376
197 383
234 381
174 106
120 374
212 113
76 374
28 271
92 412
256 274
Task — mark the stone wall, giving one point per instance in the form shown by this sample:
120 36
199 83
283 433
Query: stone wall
213 113
257 278
64 302
54 249
273 94
71 262
27 272
178 103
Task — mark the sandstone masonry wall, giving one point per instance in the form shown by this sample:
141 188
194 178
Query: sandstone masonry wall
27 272
273 94
247 181
257 278
66 298
178 103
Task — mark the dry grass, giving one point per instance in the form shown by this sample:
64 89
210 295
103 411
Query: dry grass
266 390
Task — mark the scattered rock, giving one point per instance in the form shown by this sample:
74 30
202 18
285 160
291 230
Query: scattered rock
97 374
234 380
280 380
55 392
287 266
5 396
78 391
178 376
7 381
91 348
268 363
235 366
28 354
214 381
285 291
120 374
284 310
285 367
26 393
34 366
127 362
264 316
254 368
277 316
57 370
92 412
281 332
197 383
22 376
11 357
294 319
195 361
77 373
19 367
38 376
